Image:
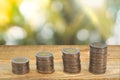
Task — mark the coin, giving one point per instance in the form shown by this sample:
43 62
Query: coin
45 71
20 65
44 56
44 62
97 71
71 71
71 60
71 52
98 58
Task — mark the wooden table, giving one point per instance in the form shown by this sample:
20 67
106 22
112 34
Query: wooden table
9 52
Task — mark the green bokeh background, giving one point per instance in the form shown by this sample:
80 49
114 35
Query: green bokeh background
67 20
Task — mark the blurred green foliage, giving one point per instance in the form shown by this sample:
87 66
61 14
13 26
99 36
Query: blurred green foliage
65 18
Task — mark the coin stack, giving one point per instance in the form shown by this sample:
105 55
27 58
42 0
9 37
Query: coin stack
20 65
98 58
71 60
44 62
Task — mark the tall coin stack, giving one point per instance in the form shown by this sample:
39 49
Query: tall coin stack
20 65
71 60
44 62
98 58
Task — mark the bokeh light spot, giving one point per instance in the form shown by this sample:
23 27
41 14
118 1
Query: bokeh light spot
13 34
83 35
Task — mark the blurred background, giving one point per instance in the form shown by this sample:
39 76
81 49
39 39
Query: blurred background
24 22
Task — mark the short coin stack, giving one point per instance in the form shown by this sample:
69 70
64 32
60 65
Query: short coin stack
20 65
71 60
44 62
98 58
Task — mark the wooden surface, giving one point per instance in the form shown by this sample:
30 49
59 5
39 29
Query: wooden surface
9 52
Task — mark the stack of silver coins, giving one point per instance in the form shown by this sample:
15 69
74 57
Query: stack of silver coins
71 60
44 62
98 58
20 65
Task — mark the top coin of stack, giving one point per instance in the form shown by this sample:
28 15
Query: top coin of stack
98 58
44 62
20 65
71 60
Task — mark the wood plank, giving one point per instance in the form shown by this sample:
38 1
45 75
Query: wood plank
9 52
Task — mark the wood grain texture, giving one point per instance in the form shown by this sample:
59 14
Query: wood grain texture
9 52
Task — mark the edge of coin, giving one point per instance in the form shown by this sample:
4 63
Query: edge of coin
17 62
